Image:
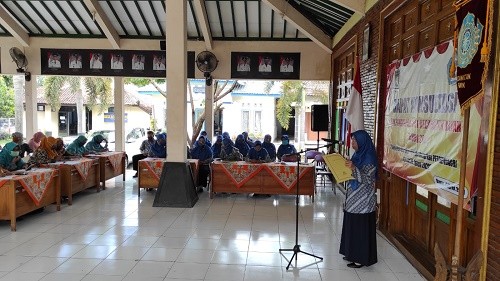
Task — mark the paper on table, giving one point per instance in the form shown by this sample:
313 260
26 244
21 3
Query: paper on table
336 164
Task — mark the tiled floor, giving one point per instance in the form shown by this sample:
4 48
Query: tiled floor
113 235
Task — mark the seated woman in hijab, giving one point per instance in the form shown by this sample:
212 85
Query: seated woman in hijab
45 153
242 145
248 140
77 147
270 147
203 153
229 152
34 142
258 154
159 148
217 147
226 135
94 145
9 157
285 147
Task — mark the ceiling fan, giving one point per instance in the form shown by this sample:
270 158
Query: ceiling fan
21 61
207 62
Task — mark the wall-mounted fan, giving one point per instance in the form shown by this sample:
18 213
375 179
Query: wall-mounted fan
206 63
21 61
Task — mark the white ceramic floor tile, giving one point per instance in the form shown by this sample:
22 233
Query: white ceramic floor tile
377 276
77 266
97 277
111 235
9 263
188 271
225 272
62 277
153 269
114 267
195 256
99 252
24 276
128 253
161 254
62 250
409 277
41 264
339 274
230 257
260 273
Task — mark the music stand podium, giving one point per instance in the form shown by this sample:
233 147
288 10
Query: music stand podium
296 249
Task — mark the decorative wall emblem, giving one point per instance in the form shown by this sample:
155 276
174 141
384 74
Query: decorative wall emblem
468 40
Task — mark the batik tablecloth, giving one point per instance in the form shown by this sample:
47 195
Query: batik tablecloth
36 182
82 166
114 157
154 166
240 172
286 174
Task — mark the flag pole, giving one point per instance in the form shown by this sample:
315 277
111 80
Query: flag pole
455 260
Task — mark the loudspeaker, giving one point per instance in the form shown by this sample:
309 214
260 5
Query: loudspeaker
319 117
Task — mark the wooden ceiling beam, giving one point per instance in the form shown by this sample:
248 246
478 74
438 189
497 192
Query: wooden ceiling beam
301 23
202 17
358 6
10 24
104 22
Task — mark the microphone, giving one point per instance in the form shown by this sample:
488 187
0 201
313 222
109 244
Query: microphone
332 141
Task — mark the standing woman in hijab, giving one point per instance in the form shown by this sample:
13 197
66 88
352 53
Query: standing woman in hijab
95 144
358 243
9 157
45 153
159 148
34 142
77 147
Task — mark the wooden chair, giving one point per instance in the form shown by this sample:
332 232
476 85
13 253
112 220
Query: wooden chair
322 171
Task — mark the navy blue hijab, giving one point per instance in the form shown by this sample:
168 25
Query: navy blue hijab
365 155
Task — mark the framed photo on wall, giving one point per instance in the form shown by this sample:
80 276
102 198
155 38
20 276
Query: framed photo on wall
366 42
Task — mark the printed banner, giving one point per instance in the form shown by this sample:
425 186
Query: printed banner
471 20
423 133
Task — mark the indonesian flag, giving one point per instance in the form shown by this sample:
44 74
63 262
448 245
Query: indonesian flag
354 111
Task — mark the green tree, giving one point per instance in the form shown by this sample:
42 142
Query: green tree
6 97
220 90
292 93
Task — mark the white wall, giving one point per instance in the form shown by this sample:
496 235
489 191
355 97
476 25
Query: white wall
136 118
233 114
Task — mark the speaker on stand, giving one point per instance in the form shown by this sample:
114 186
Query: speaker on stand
319 119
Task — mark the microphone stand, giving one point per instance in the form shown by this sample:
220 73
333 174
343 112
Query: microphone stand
296 249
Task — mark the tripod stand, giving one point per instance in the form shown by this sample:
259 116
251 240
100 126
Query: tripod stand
296 249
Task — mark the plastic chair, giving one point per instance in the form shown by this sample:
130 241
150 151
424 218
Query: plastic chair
322 170
311 154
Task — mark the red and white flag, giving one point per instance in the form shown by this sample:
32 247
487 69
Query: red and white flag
354 111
